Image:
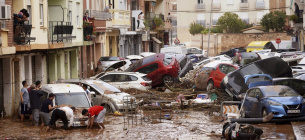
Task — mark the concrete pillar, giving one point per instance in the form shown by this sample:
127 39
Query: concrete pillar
114 46
98 52
40 68
60 65
52 67
8 86
107 46
74 66
27 63
67 64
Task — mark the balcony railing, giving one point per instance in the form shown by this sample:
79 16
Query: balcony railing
22 34
60 31
99 15
88 32
200 6
121 18
244 6
260 4
216 6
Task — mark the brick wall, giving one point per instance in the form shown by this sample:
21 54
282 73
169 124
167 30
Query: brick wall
9 24
222 42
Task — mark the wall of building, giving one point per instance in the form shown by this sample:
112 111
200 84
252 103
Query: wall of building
222 42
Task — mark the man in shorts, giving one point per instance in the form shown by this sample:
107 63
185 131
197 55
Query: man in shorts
25 100
46 107
96 114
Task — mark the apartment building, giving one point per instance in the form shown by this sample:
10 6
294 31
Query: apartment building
201 11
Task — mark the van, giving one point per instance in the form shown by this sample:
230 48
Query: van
176 50
260 45
71 95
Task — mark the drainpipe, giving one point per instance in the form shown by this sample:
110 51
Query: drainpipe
13 92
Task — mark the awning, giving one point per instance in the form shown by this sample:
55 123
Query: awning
156 40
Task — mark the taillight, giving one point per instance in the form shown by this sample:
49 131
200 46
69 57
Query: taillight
144 84
99 63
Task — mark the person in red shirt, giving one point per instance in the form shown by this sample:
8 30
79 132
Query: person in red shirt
96 114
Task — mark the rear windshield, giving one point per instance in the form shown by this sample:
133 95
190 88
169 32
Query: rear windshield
249 55
109 59
167 59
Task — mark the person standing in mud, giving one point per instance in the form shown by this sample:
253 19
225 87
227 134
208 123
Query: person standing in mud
46 107
64 114
85 87
25 100
35 102
96 115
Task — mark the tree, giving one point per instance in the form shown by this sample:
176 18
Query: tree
274 21
196 28
230 22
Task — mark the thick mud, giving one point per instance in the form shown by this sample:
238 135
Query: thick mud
184 125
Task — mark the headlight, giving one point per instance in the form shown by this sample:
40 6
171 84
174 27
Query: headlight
274 103
118 101
225 79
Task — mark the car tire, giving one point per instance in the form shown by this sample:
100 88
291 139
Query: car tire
108 108
264 113
167 79
210 85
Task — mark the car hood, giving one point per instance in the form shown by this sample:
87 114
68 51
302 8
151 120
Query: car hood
119 96
275 67
287 100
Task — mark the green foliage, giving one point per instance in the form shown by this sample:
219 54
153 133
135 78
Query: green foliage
213 30
248 25
274 21
294 18
158 21
195 28
231 23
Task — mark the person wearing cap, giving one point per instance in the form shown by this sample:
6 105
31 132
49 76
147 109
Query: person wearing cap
96 114
46 107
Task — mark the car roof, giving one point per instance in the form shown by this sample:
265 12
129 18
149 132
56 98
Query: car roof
130 73
273 86
285 78
62 88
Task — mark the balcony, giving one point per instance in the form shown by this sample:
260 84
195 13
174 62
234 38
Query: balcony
260 4
99 15
200 6
88 32
60 31
22 34
121 18
216 6
244 6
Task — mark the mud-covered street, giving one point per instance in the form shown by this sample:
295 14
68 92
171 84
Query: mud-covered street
184 125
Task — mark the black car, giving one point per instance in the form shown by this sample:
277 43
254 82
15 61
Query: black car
232 52
234 82
296 84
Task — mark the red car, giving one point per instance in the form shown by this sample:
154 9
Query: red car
160 68
218 73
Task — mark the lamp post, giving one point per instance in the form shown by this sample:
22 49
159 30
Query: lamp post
210 29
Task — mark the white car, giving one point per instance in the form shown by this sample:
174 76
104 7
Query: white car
134 58
223 58
298 68
126 80
146 54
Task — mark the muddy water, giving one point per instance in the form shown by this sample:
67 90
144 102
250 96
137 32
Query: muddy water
184 125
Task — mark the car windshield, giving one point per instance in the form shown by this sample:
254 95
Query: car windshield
105 88
73 99
167 59
109 59
279 91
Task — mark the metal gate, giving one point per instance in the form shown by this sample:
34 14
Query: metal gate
1 88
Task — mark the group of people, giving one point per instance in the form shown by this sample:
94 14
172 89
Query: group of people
31 98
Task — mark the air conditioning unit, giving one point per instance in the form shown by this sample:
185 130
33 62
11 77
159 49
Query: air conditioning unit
5 11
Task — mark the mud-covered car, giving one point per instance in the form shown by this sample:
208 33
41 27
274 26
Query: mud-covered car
234 82
107 95
185 64
71 95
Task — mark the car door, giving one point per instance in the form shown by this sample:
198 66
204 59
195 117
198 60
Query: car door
256 104
249 101
109 78
219 74
122 81
151 71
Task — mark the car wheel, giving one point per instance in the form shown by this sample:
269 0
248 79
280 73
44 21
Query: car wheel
210 85
167 79
264 113
108 108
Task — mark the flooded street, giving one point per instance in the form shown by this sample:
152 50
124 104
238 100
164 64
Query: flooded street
184 125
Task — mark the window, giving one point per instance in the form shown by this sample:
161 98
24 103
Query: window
2 2
77 14
41 12
230 2
216 16
252 93
183 63
201 19
200 1
122 78
29 8
216 1
70 11
133 78
244 1
149 68
167 59
108 78
226 68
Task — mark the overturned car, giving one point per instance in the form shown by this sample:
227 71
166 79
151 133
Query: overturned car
234 82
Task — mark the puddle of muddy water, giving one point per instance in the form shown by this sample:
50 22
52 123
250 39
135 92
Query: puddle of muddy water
184 125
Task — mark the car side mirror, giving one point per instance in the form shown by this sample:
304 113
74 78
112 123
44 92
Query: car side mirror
92 93
257 97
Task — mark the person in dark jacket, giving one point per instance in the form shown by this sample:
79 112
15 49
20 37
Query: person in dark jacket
297 10
35 102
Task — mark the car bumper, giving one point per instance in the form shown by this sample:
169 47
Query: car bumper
280 111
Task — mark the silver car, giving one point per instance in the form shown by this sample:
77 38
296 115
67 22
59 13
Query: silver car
105 62
107 95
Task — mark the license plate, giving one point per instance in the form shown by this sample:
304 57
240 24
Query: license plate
76 123
293 111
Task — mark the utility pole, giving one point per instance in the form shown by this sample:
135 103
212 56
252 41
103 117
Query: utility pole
210 29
